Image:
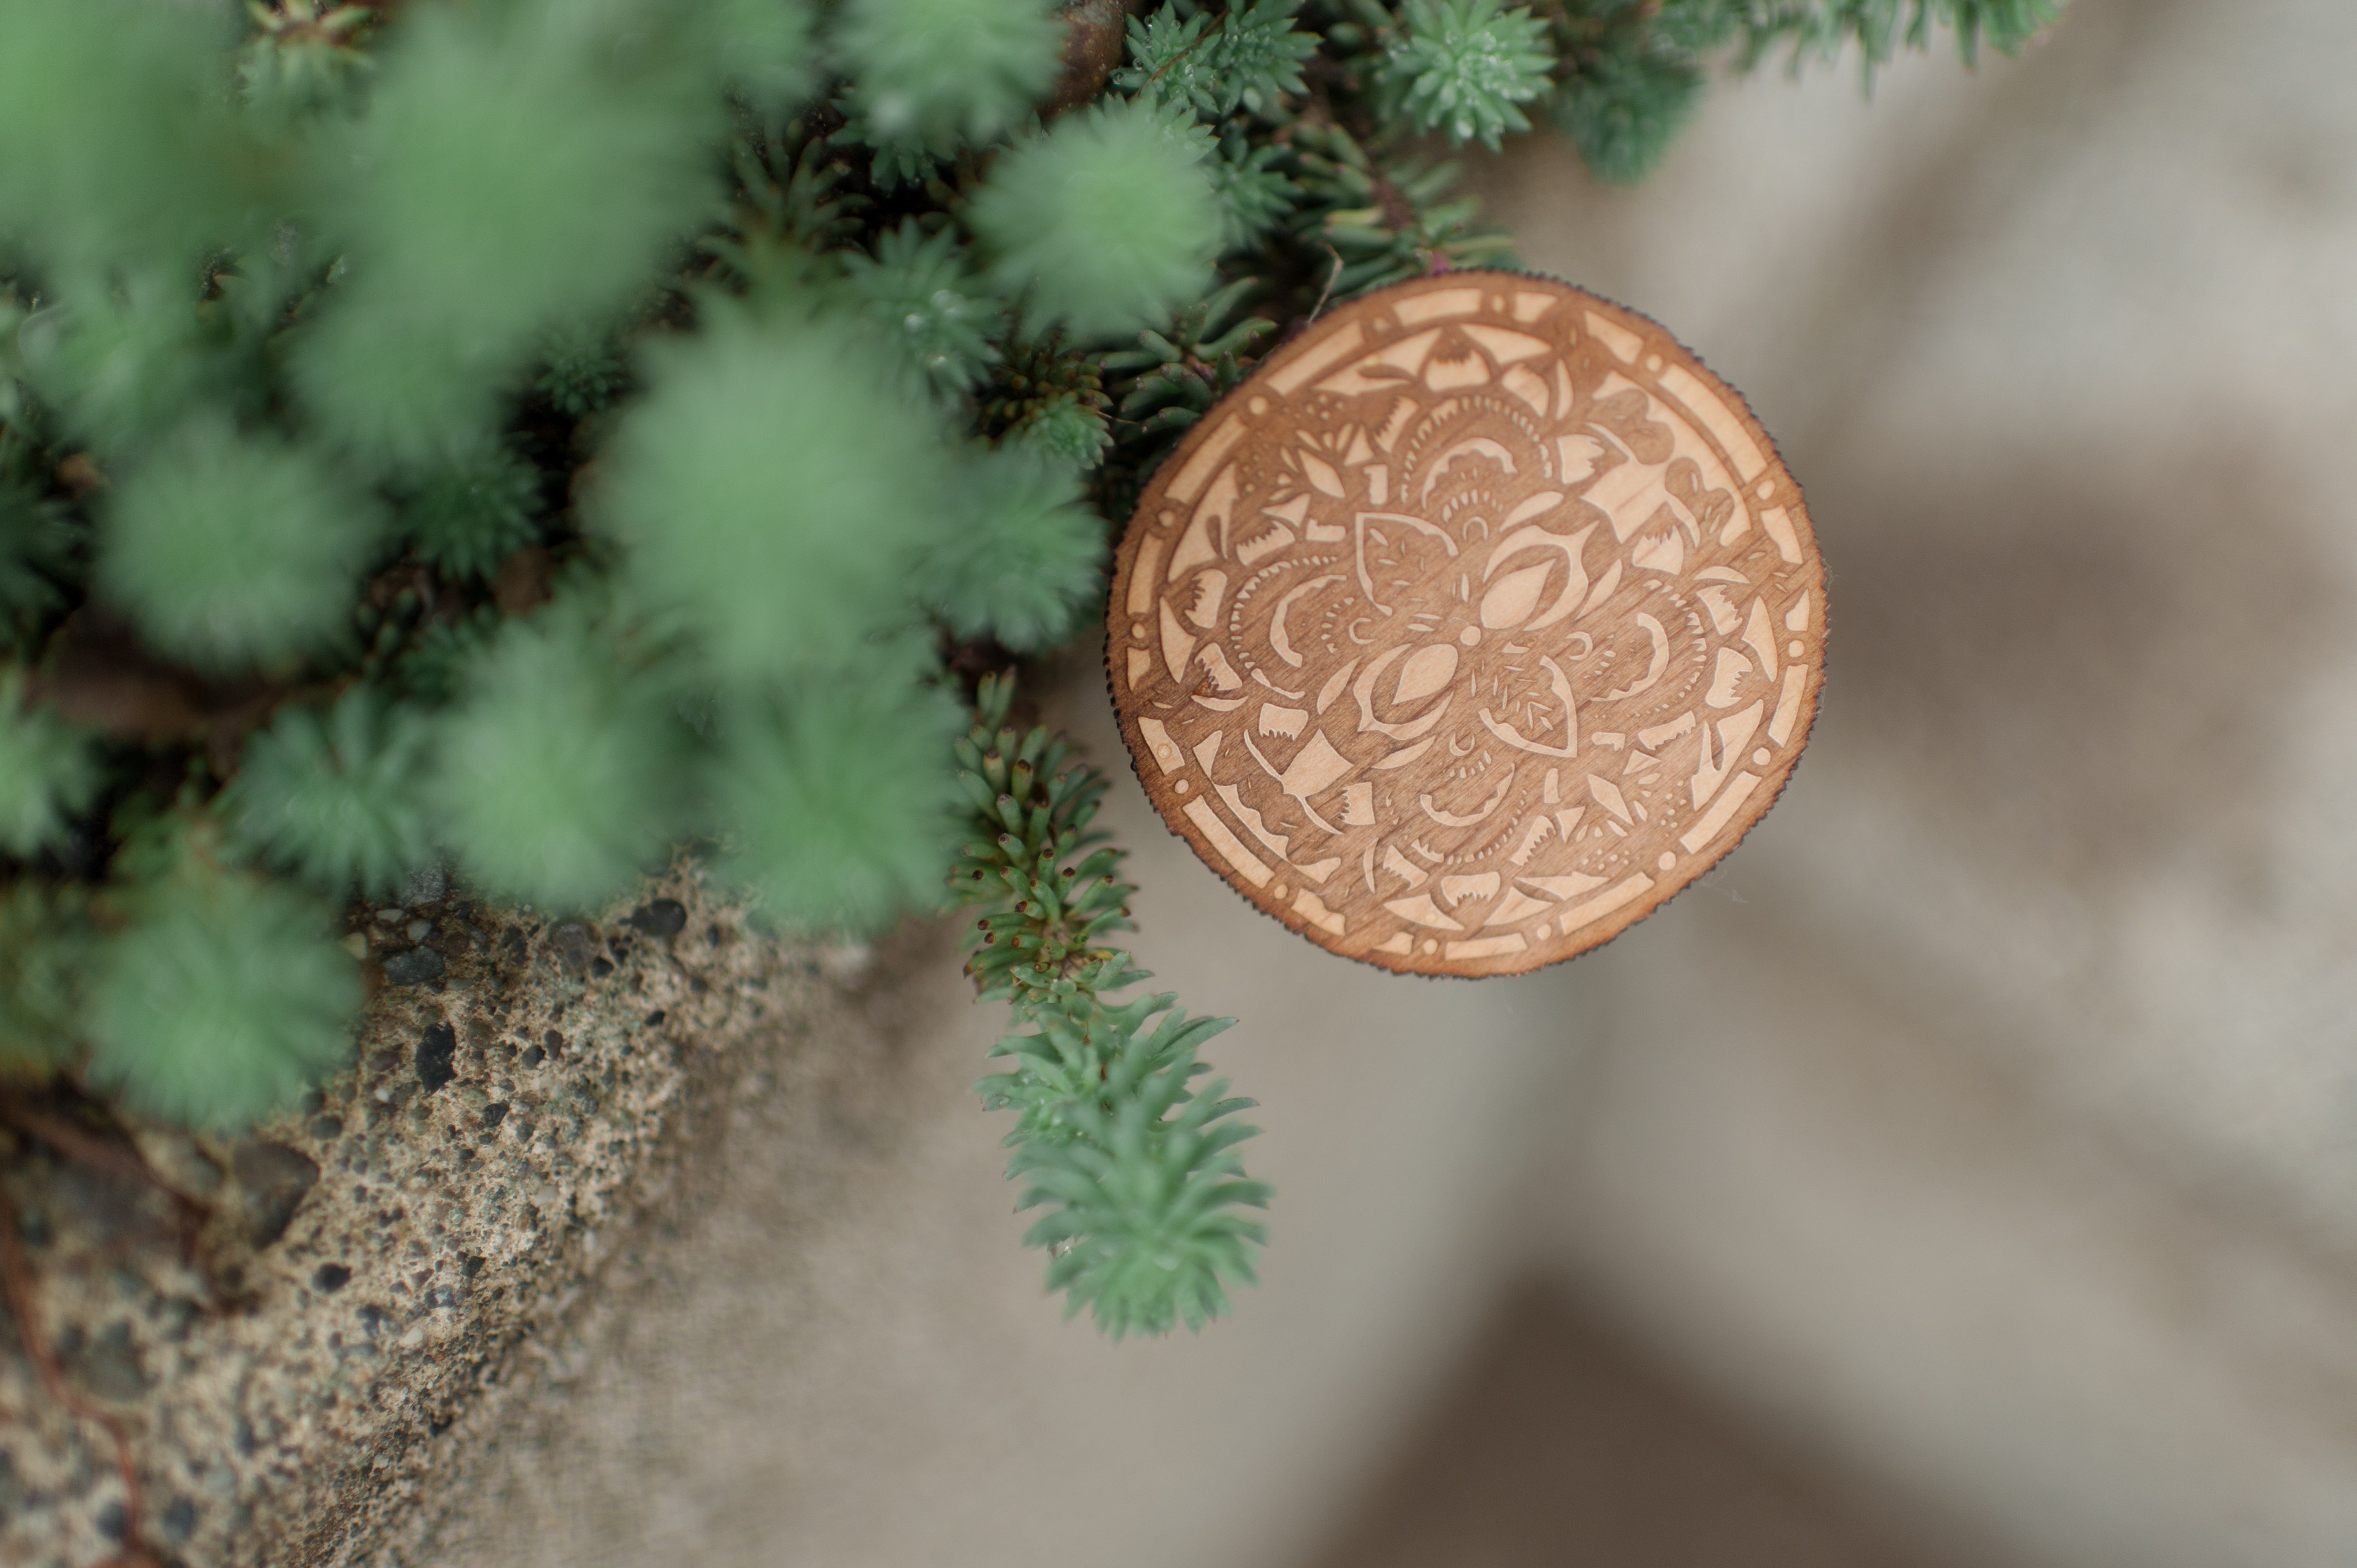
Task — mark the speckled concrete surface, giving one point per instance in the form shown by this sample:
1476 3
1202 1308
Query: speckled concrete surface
288 1354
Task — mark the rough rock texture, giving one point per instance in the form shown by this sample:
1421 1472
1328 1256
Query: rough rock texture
286 1343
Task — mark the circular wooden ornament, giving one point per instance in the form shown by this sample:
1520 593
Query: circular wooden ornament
1473 627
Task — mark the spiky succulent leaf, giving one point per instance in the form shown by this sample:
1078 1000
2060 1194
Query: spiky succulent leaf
396 392
1063 428
1146 1198
1462 66
44 940
471 513
443 657
519 166
233 549
838 804
1108 220
338 797
2007 25
125 362
581 368
1825 27
1250 60
1256 195
116 141
1260 53
221 996
37 545
774 488
765 51
48 770
1171 57
557 773
919 290
1144 1225
1688 26
1025 560
930 70
1624 106
304 60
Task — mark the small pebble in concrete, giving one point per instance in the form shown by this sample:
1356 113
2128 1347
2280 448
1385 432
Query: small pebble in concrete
332 1278
575 945
665 917
415 967
437 1049
109 1368
428 884
273 1179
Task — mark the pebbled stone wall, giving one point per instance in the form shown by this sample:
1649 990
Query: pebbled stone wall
285 1329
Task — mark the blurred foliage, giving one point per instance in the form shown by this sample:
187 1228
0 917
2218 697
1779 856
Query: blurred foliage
218 993
337 798
469 514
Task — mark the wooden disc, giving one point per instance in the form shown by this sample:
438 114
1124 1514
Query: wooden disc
1475 625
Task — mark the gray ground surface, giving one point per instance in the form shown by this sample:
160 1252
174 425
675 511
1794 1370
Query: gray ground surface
2009 1154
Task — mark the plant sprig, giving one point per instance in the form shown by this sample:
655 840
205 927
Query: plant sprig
1147 1205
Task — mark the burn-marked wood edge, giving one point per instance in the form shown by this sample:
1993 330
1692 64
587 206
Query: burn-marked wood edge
1474 626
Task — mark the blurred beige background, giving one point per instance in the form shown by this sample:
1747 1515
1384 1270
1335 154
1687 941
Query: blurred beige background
1964 1172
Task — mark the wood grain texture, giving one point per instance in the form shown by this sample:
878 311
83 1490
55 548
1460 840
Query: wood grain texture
1474 626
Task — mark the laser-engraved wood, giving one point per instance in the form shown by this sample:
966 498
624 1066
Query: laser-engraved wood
1475 625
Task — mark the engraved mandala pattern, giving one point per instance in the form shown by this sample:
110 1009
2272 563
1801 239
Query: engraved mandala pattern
1474 626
